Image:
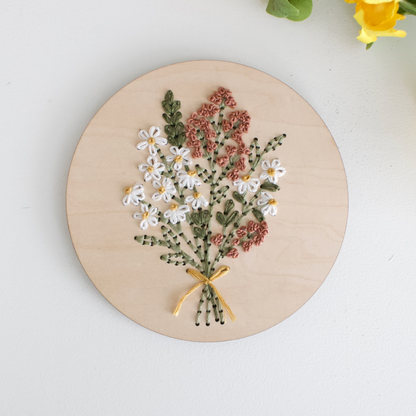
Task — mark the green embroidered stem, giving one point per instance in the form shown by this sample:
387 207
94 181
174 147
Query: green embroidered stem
208 311
214 300
271 146
201 302
175 128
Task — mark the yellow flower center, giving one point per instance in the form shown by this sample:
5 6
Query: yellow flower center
173 207
197 195
128 190
145 215
150 169
273 202
246 178
191 173
151 141
271 172
178 159
161 190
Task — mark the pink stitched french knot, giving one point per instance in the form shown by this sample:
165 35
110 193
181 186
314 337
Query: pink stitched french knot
211 146
243 150
247 245
226 125
258 239
217 239
233 117
233 175
215 98
231 150
223 161
236 242
233 253
241 164
197 153
251 227
231 102
241 232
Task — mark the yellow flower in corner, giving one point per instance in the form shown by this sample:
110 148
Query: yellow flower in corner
377 18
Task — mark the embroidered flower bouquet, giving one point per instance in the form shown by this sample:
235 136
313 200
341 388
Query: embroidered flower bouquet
205 178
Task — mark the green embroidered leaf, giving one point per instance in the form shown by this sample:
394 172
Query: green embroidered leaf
205 217
170 130
232 218
169 97
176 105
196 218
239 198
199 232
220 218
181 139
176 117
179 128
229 205
271 187
167 118
167 107
258 214
295 10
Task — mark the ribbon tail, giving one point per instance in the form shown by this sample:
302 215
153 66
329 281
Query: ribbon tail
178 308
224 304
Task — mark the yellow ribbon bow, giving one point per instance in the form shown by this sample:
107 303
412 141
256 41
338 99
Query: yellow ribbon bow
203 280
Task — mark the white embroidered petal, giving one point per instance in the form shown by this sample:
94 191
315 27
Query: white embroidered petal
144 135
156 175
170 158
280 172
265 210
157 196
156 184
189 198
153 211
238 182
264 175
142 145
275 163
242 188
265 165
154 131
168 213
144 224
273 210
126 200
184 209
161 141
152 150
138 216
152 221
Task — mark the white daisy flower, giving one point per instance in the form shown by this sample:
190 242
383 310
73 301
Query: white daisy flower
268 203
150 139
247 183
165 190
272 171
176 213
146 217
152 169
134 194
179 156
197 200
188 179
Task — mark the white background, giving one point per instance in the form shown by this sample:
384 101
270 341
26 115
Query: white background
65 351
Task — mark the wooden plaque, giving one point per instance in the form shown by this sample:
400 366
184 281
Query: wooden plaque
264 286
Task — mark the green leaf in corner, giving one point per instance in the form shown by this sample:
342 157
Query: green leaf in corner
220 218
229 205
232 218
269 186
258 214
239 198
295 10
407 7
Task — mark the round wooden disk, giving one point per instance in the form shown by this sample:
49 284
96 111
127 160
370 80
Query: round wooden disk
264 286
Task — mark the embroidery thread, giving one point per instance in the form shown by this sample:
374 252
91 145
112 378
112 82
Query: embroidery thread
228 170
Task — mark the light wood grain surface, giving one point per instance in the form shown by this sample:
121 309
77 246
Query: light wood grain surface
264 286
